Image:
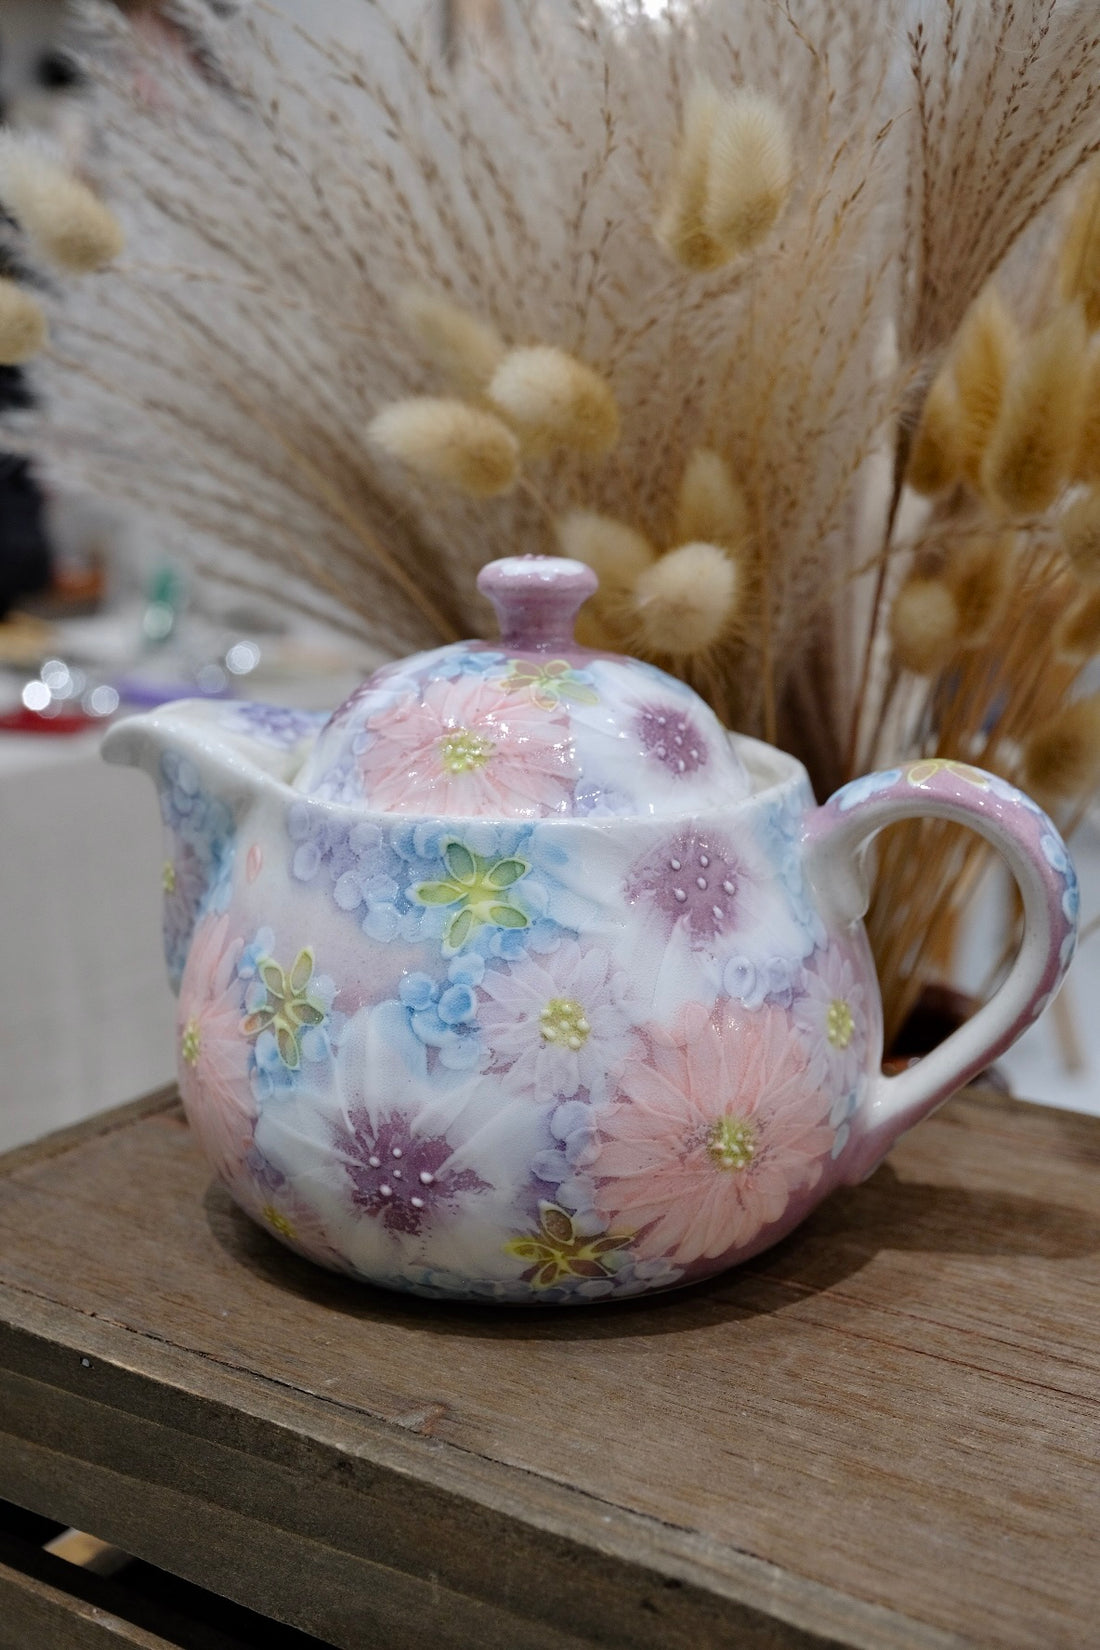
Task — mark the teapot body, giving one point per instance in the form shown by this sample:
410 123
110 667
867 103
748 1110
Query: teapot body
550 1060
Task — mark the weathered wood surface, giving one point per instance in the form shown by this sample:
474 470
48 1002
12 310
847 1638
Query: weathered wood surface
886 1432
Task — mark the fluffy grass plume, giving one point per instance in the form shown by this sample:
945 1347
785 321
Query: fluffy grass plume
466 350
710 506
749 171
924 625
983 354
683 605
680 228
449 441
67 225
1062 756
1033 444
554 400
23 329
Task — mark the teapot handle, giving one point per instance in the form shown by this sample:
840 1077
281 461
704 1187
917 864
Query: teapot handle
837 836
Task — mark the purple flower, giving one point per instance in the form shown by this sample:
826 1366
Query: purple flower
694 881
273 724
670 737
398 1177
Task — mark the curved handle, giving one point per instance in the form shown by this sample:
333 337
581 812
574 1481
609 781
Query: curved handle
836 840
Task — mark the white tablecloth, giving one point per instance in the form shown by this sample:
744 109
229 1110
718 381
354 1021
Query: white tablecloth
87 1019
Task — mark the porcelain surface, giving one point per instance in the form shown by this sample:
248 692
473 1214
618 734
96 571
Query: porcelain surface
567 1053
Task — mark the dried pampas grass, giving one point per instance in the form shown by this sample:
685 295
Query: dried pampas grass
779 317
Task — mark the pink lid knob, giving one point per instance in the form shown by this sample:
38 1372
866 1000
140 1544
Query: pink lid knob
537 598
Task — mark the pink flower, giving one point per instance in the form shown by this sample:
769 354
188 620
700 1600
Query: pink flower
711 1135
467 747
213 1055
558 1023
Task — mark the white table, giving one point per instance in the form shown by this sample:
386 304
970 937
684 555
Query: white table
87 1017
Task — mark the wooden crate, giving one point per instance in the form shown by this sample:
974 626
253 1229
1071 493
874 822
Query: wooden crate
884 1433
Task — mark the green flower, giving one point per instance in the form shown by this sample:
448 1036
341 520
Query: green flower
289 1009
477 889
550 683
557 1251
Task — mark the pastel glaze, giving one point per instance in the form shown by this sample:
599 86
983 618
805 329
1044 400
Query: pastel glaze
543 1016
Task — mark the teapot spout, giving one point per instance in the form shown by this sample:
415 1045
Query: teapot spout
212 763
234 742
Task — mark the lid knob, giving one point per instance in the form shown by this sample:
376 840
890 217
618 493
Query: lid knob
537 598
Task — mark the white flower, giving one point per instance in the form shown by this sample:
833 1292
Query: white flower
558 1023
832 1016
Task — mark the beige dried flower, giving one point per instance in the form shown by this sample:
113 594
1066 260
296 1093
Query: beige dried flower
1033 445
1079 530
924 625
449 440
980 360
553 400
616 552
685 603
680 227
23 330
710 506
749 171
936 457
1078 634
1062 758
977 577
65 222
467 350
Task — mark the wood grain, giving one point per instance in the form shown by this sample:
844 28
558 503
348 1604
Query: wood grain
884 1432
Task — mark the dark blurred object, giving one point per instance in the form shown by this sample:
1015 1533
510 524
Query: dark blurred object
25 565
56 71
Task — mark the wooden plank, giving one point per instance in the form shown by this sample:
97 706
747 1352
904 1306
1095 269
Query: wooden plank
36 1616
887 1431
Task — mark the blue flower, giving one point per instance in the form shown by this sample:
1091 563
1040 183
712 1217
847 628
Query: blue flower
441 1016
752 984
859 790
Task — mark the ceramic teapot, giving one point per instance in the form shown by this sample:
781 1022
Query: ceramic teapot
519 978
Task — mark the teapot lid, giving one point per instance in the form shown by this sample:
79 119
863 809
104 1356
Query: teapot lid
528 728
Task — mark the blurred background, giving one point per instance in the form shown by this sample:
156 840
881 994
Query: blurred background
96 619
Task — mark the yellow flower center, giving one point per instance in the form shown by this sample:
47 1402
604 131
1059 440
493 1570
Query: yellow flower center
731 1143
563 1021
463 751
168 877
278 1222
189 1042
839 1023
